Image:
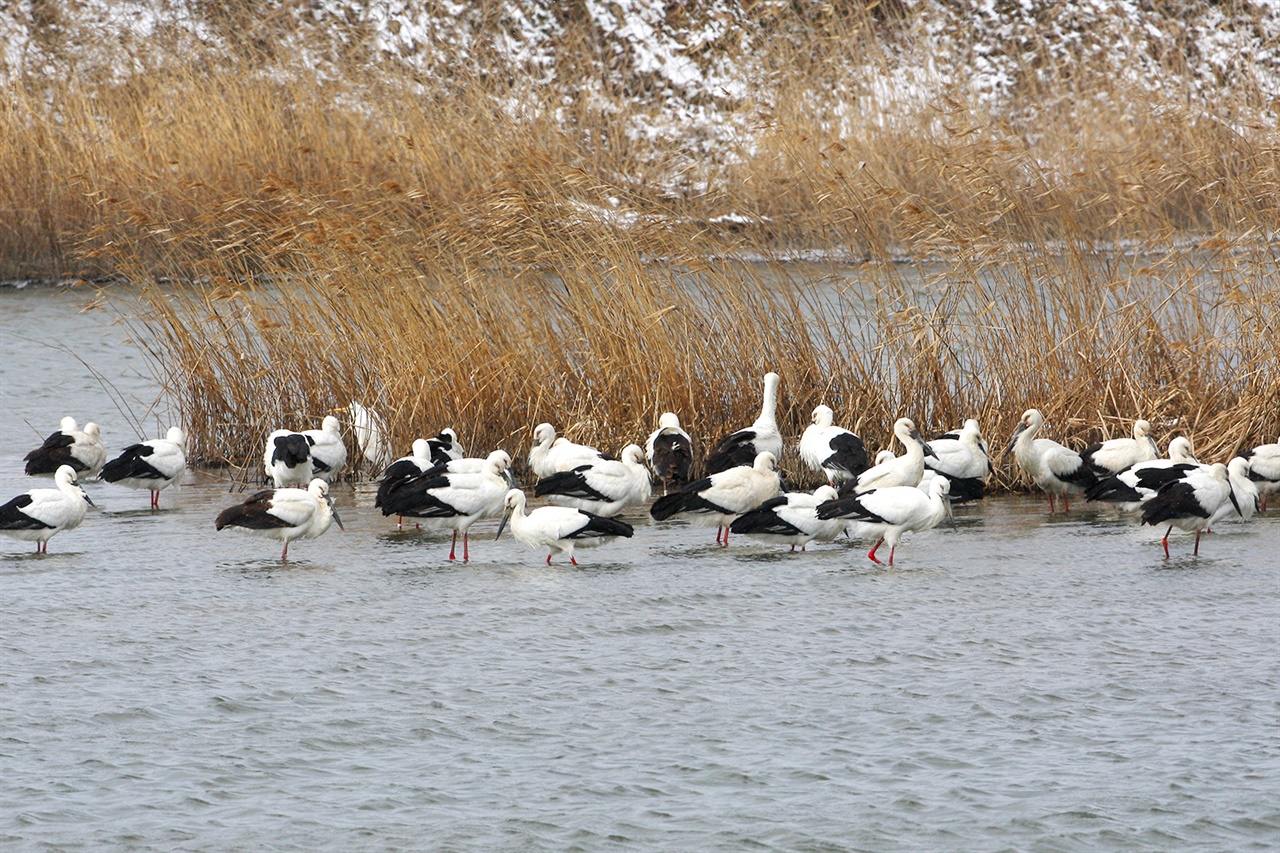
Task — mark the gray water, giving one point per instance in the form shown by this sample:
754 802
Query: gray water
1022 682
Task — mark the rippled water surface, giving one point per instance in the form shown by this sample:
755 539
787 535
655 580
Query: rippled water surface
1020 682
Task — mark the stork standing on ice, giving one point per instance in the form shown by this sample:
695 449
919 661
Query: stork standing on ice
154 465
890 512
1057 469
604 487
558 528
1114 455
39 514
453 501
722 497
835 451
83 450
791 519
670 451
742 447
283 514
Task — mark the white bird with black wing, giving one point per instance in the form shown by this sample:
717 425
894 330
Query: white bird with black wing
742 447
791 519
283 514
328 449
154 465
604 487
835 451
1056 469
720 498
452 501
550 454
1264 469
670 451
287 459
39 514
559 529
83 450
891 512
1131 487
1115 454
904 470
1190 502
964 459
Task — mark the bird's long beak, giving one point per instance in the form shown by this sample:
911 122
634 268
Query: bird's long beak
502 525
87 499
1017 432
928 451
334 510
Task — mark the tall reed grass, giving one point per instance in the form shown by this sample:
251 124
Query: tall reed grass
454 262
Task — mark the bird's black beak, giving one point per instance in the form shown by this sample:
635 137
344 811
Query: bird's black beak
334 510
502 525
1022 427
87 499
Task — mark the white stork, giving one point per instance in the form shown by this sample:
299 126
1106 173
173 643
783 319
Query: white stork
83 450
742 447
670 451
904 470
39 514
558 528
283 514
720 498
154 465
964 459
604 487
890 512
833 450
1114 455
1057 469
791 519
452 501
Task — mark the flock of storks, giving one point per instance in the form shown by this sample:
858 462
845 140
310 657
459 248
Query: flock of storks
740 489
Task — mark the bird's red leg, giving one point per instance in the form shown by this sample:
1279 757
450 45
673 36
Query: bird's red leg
1165 541
466 552
871 555
572 560
1051 505
1066 504
1196 551
284 555
453 545
891 550
548 558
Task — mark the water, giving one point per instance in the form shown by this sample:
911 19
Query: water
1022 682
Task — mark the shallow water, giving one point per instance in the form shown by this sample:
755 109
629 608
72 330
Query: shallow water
1020 682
